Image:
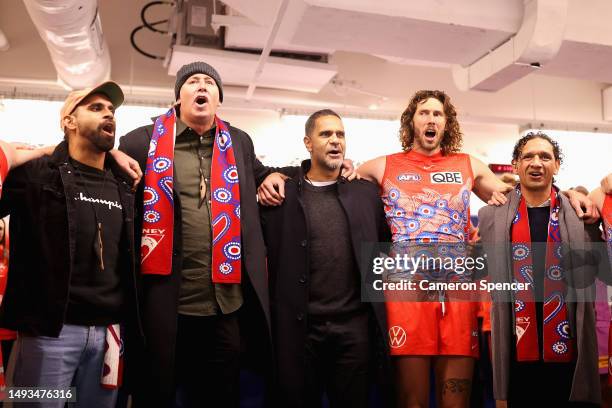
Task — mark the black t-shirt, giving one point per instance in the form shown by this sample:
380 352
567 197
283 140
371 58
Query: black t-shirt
96 295
538 230
334 277
530 378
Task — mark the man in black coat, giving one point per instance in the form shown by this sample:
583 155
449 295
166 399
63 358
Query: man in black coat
72 278
192 324
321 326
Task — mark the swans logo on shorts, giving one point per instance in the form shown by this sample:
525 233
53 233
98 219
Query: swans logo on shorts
397 337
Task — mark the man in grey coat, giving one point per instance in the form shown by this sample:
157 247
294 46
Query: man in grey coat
543 338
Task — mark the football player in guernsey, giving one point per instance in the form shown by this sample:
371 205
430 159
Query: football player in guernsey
426 193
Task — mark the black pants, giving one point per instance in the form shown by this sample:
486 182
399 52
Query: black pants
550 382
208 361
7 346
336 361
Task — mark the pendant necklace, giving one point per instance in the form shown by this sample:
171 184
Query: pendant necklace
98 245
203 178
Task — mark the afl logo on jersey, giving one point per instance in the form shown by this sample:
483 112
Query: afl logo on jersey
409 177
446 177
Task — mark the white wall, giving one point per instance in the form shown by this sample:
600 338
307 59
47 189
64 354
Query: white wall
587 158
278 138
38 122
278 142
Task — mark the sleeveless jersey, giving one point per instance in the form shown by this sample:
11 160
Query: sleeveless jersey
427 198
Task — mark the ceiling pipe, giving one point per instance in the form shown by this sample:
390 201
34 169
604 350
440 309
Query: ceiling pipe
265 53
72 31
537 42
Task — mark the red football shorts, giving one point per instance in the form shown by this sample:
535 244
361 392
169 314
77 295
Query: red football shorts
433 329
484 312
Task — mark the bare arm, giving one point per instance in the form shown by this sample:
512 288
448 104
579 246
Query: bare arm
18 154
490 189
373 170
597 196
129 165
583 205
606 184
271 191
348 170
486 184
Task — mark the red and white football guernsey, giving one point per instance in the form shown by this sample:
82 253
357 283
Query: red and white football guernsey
427 200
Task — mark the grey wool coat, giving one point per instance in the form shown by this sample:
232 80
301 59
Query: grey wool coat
582 262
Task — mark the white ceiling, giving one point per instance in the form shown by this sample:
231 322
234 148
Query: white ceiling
382 51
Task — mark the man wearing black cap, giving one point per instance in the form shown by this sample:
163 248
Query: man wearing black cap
72 266
202 254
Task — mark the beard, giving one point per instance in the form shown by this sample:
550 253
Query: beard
98 139
332 164
422 142
327 163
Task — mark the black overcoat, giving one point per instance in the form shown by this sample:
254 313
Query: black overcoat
286 237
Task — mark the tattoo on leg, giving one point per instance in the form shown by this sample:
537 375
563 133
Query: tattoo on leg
456 385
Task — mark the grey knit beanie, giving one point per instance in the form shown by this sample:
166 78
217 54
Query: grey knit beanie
197 67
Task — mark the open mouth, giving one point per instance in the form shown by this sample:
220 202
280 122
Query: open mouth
430 134
335 153
535 174
201 100
109 128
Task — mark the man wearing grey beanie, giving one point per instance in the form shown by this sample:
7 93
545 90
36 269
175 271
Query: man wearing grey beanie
198 313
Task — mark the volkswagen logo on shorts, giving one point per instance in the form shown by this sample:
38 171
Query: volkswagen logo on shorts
397 336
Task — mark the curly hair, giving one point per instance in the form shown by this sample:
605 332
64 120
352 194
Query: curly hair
453 138
518 147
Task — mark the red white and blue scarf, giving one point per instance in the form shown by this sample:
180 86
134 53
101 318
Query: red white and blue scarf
112 368
158 222
559 345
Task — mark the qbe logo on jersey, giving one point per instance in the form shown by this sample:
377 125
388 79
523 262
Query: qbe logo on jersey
446 177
